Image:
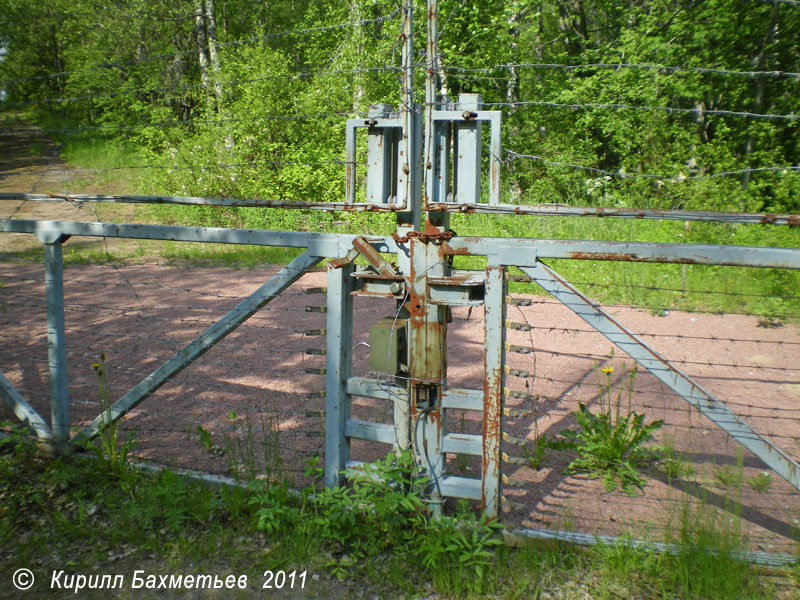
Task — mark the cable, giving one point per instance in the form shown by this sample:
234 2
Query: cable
680 177
667 109
632 66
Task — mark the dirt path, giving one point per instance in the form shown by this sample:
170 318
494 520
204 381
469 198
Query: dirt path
30 163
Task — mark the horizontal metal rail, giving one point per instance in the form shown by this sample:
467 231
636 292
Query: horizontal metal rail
504 251
318 244
526 252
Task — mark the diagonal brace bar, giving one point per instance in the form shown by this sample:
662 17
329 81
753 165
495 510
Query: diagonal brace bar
682 384
244 310
26 413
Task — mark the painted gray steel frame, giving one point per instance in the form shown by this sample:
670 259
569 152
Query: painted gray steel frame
339 349
56 341
24 411
507 250
318 244
526 252
667 373
470 189
182 359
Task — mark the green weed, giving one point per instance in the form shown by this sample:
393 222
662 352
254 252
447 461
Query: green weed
672 464
611 443
253 449
111 452
760 482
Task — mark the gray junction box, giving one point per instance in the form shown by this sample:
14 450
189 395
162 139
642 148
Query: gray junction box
388 348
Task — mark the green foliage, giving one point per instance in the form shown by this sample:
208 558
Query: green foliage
290 72
609 443
459 554
761 482
115 455
672 464
72 513
253 447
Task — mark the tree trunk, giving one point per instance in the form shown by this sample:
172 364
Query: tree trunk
572 21
202 48
358 78
211 27
513 23
759 63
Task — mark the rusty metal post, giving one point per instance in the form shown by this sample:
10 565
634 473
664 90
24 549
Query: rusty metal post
427 366
494 342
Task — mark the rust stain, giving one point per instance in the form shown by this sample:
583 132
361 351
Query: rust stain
431 229
447 250
627 257
491 427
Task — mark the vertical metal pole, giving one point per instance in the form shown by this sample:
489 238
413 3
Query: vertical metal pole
410 149
340 344
56 341
427 367
431 156
427 331
495 161
493 389
350 161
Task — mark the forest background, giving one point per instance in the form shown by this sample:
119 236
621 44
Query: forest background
671 104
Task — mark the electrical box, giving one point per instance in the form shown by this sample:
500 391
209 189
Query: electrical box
388 348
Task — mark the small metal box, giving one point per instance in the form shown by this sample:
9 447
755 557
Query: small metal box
388 347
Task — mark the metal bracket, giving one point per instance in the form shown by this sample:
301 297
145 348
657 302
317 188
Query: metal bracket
383 148
460 129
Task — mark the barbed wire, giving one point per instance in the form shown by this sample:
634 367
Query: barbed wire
794 3
676 336
674 361
200 121
544 300
628 66
202 87
680 177
297 291
667 109
202 168
684 291
120 12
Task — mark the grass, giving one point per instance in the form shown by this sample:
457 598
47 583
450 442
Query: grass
370 539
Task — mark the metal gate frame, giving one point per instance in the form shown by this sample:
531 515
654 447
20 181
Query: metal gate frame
424 285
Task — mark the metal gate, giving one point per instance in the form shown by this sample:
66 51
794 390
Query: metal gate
423 163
